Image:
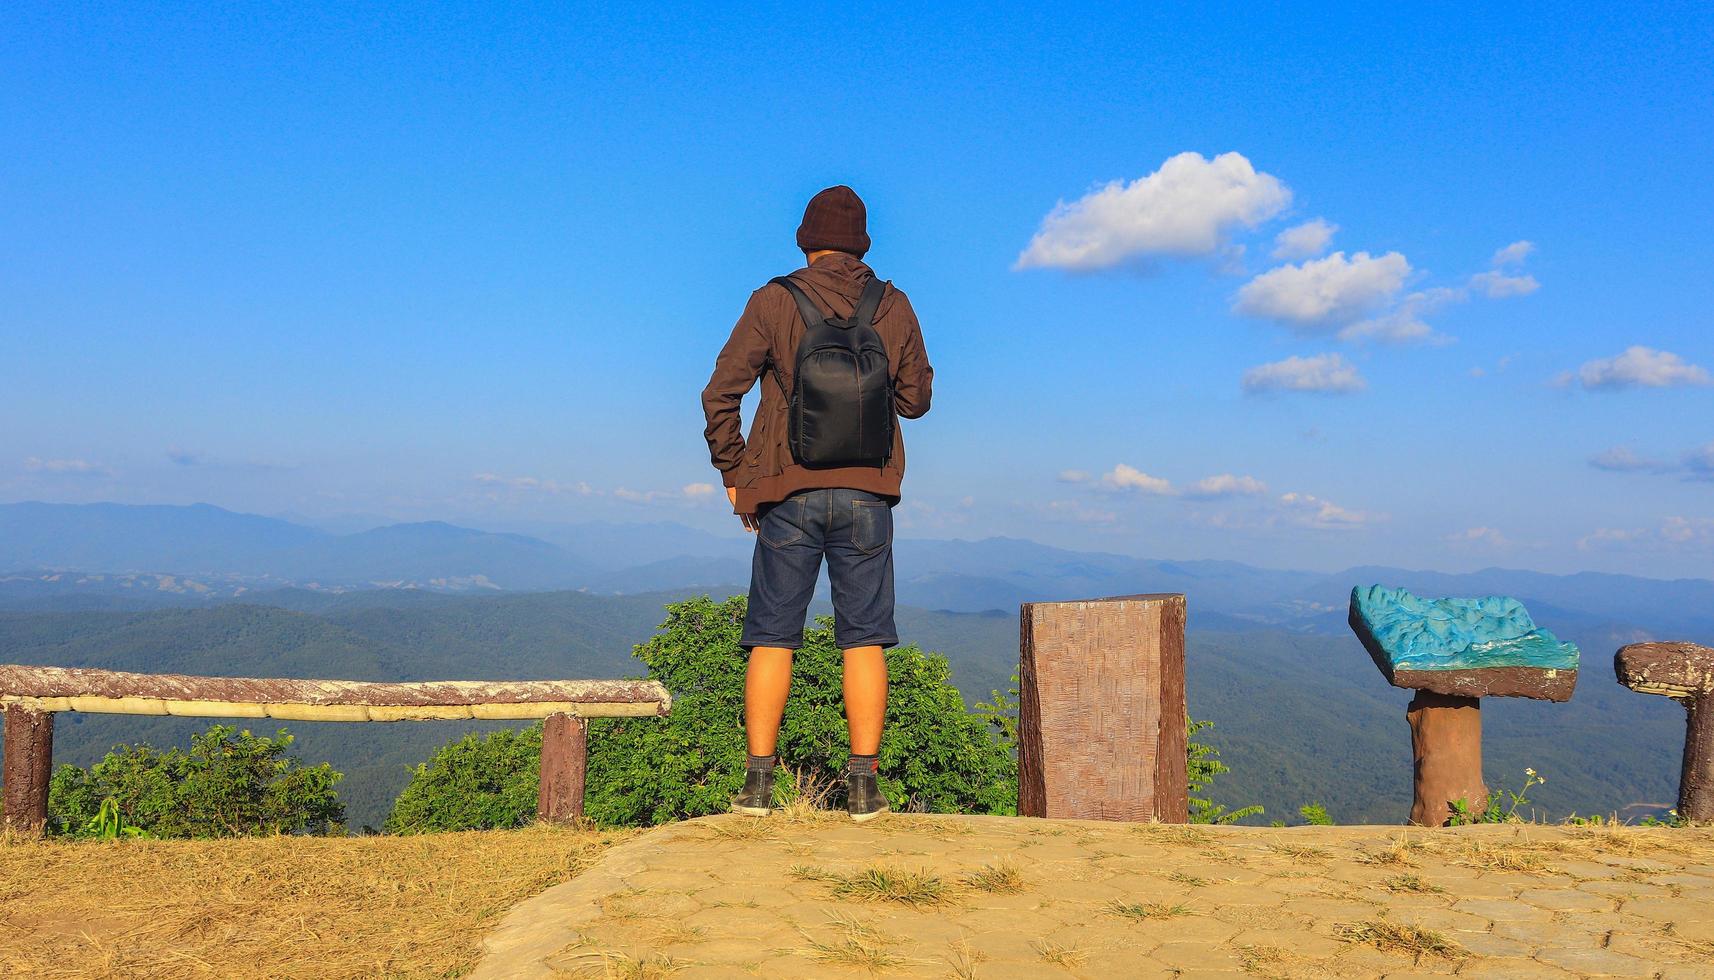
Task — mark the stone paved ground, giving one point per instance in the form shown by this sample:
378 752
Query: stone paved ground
928 896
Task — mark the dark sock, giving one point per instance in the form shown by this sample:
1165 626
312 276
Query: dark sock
759 763
863 764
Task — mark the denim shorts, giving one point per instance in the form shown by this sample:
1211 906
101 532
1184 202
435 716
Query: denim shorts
854 530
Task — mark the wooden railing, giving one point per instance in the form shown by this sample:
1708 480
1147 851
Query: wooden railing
29 697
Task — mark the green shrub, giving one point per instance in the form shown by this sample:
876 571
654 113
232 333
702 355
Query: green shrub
1205 765
935 756
229 784
475 783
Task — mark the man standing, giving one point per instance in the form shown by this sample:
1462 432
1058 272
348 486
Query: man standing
840 357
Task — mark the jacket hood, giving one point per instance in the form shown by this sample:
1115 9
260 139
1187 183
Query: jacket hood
840 275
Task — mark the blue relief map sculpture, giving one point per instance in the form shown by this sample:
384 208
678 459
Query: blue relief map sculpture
1462 647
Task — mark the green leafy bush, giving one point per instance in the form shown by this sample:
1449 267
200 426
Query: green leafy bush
935 756
230 783
1205 765
475 783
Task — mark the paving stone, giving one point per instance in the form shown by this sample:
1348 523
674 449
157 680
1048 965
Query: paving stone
755 919
1201 956
1298 942
1565 900
1511 968
1503 910
1489 944
1594 961
1442 920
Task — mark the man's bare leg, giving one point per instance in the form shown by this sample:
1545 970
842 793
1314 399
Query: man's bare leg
766 684
865 698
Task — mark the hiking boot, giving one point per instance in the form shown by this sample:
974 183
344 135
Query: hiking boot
863 796
757 799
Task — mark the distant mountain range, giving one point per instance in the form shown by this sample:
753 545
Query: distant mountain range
129 556
1300 717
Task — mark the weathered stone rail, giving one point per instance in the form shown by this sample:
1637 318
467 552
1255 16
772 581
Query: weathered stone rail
29 697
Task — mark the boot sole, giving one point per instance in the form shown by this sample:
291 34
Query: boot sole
865 817
751 811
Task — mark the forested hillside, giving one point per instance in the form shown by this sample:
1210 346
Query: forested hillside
1300 717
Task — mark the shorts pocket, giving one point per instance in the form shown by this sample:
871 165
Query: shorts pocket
871 525
782 525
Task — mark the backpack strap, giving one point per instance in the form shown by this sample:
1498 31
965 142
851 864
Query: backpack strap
869 302
806 308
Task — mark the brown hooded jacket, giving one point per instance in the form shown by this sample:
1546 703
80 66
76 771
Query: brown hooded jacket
764 345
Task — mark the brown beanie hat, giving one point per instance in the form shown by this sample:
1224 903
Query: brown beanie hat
835 219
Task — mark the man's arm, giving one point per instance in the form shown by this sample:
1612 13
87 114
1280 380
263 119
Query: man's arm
735 373
913 381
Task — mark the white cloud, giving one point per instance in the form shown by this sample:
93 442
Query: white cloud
530 484
1488 536
1622 459
1403 324
1305 240
65 467
1188 207
1073 476
1513 254
1498 285
1676 533
1225 485
1640 367
1319 293
1123 477
1328 374
1310 511
698 490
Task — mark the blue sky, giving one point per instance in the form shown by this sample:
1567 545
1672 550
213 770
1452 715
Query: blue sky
474 263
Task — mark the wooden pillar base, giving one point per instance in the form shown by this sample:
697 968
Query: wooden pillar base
565 764
1101 720
1696 780
1446 744
27 768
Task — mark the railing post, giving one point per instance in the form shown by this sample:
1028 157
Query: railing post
27 768
1101 720
565 763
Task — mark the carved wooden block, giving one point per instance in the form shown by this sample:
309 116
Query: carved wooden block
1101 726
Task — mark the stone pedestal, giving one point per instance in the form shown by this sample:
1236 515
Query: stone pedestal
1101 726
1446 745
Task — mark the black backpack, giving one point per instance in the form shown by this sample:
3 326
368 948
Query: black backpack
842 389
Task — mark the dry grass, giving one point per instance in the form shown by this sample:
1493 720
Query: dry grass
1264 961
1504 857
1187 879
272 907
856 944
1301 852
880 883
1002 878
1147 910
1398 854
1398 937
1412 884
963 958
618 966
1066 956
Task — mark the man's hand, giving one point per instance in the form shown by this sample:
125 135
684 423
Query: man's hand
748 519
